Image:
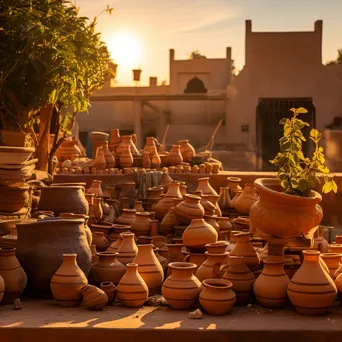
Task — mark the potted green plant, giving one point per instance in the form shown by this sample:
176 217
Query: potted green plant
288 205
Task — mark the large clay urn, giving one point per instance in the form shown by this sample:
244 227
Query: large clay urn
189 209
311 290
205 187
97 140
126 141
12 274
181 289
115 139
187 150
282 215
247 198
41 245
63 199
141 226
127 249
68 281
86 227
174 158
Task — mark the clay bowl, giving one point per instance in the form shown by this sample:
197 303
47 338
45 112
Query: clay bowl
15 155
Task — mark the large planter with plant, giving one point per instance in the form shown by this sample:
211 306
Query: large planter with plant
288 206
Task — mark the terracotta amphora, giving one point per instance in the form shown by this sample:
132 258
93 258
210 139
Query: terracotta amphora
106 268
126 157
126 141
205 187
333 261
127 249
110 290
210 269
68 281
142 224
242 278
311 290
174 158
247 198
12 274
189 209
94 298
233 185
95 188
115 139
149 268
187 150
132 290
181 289
100 241
217 297
2 288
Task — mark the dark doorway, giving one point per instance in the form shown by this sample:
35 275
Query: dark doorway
269 112
195 86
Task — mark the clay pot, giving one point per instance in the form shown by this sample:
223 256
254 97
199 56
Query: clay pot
335 248
211 267
146 162
67 150
169 221
128 189
209 208
149 268
155 158
181 289
115 139
127 217
242 278
224 198
67 282
100 241
175 252
138 206
311 290
94 256
163 261
212 220
214 200
205 187
132 290
13 198
224 224
218 247
2 288
332 260
40 246
94 298
194 258
150 144
198 234
106 268
125 142
117 230
174 158
127 249
165 181
12 274
189 209
86 228
110 290
283 215
102 228
247 198
100 160
235 196
270 288
126 157
217 297
109 158
142 224
187 150
234 185
95 188
97 140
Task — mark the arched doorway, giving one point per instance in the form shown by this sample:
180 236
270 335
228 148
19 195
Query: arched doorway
195 86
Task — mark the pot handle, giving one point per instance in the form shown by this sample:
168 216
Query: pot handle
187 258
222 269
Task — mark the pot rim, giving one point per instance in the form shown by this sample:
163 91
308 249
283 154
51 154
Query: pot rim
109 254
233 179
180 265
24 187
331 255
217 284
192 196
50 220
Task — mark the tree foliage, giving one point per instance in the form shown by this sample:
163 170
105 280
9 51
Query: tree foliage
338 59
196 55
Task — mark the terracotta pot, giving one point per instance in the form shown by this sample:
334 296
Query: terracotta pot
224 224
187 150
97 140
106 268
174 157
194 258
126 157
189 209
128 189
127 217
95 188
40 246
115 139
68 281
335 248
210 269
209 208
16 139
169 221
125 142
132 290
2 288
175 252
12 274
155 158
109 158
94 298
100 160
165 181
117 230
138 206
217 297
127 249
100 241
67 150
283 215
311 290
214 200
94 256
247 198
234 185
154 193
86 228
146 162
270 288
224 198
14 198
110 290
142 224
102 228
333 261
149 268
205 187
198 234
218 247
242 278
212 220
162 260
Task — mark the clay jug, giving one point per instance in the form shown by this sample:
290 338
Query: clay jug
194 258
165 181
126 141
270 288
217 297
110 290
127 249
189 209
68 281
115 139
106 268
211 267
175 252
146 162
149 268
214 200
187 150
100 241
311 290
126 157
110 160
198 234
142 224
95 188
132 290
127 217
174 158
150 144
233 185
332 260
86 227
94 256
205 187
247 198
97 140
94 298
165 204
181 289
224 198
169 221
138 206
212 220
100 160
242 278
155 158
12 274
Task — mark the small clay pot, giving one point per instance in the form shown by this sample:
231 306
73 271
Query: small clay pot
127 249
189 209
142 224
127 217
110 290
94 298
100 241
205 187
218 247
210 269
333 261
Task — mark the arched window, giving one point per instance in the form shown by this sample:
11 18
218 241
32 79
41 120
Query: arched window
195 85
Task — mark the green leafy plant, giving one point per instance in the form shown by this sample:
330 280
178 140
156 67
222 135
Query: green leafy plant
298 174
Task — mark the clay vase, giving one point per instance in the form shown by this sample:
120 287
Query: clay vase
94 256
245 248
149 268
333 261
68 281
63 199
212 220
12 274
189 209
127 217
150 144
214 200
217 298
205 187
146 162
174 158
211 267
155 158
224 198
198 234
110 290
110 160
138 206
114 246
233 185
94 298
235 196
97 140
241 277
142 224
126 157
270 288
115 139
181 289
100 241
247 198
86 227
165 181
175 252
126 141
132 290
225 227
187 150
95 188
127 249
100 160
165 204
117 230
106 268
170 220
67 150
311 290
